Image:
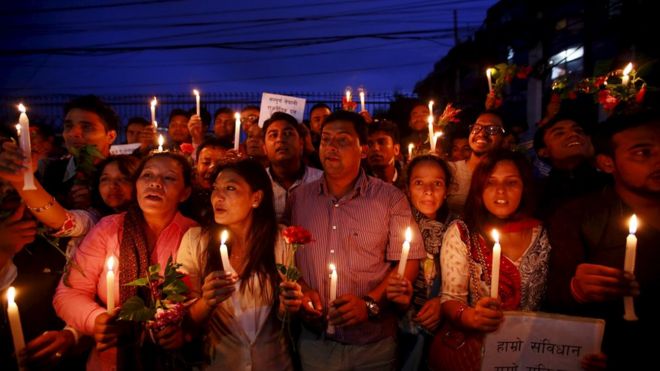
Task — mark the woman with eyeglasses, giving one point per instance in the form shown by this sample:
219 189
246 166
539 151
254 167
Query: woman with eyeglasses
486 135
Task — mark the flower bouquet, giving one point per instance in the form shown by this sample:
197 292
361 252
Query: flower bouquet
165 306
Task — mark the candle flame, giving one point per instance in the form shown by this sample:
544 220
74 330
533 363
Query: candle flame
628 69
11 294
496 235
237 116
110 263
156 124
224 235
332 267
161 140
431 107
408 234
348 95
632 224
21 107
411 147
196 92
489 71
437 135
154 102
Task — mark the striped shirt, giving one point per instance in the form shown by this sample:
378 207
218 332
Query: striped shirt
362 234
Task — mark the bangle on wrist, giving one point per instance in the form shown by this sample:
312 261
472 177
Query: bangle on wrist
42 208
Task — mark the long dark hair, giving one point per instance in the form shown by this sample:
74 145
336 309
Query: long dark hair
262 234
476 214
127 165
442 213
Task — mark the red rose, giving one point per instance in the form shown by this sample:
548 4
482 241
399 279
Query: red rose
607 100
296 235
187 148
600 81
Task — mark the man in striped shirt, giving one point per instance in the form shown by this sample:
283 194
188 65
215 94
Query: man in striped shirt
358 224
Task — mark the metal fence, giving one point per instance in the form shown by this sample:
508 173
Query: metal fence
48 109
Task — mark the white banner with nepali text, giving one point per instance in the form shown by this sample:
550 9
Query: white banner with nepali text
271 103
533 341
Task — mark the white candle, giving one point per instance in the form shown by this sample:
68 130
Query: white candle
435 139
15 321
431 107
362 105
411 147
156 126
495 271
431 134
224 254
333 292
196 92
626 71
161 141
489 72
110 283
154 102
26 147
348 95
237 130
629 266
405 249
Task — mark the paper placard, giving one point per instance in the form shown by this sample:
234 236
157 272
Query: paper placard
529 341
123 149
271 103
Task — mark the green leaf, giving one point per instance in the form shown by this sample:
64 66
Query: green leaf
154 269
176 298
134 309
138 282
175 287
281 268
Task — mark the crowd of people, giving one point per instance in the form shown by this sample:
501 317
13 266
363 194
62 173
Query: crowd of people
355 184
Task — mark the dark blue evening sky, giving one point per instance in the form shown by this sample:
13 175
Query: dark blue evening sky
155 47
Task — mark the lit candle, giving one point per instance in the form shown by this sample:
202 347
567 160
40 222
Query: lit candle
431 134
196 92
404 252
15 321
24 139
495 271
626 71
629 266
224 254
154 102
362 105
333 292
161 141
411 148
489 72
431 107
237 131
155 125
348 95
110 283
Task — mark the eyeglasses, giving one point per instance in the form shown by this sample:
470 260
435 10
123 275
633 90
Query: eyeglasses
251 118
491 130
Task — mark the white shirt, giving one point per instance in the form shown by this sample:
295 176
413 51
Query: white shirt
281 195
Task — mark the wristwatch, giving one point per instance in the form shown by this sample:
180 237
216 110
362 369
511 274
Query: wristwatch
373 310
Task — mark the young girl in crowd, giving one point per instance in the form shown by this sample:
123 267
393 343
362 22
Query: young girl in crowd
237 308
500 198
427 179
148 233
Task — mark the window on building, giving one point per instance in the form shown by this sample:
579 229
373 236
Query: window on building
567 62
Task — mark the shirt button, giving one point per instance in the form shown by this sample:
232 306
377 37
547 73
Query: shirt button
336 205
332 251
334 227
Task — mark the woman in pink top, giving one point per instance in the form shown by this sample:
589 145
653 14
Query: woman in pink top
148 233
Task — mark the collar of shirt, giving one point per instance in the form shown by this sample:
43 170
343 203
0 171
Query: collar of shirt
70 170
359 188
